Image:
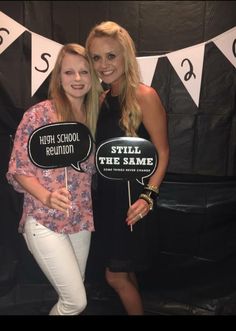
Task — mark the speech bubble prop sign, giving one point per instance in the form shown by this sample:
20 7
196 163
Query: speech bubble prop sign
126 158
60 145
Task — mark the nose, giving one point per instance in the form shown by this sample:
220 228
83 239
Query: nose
103 62
77 76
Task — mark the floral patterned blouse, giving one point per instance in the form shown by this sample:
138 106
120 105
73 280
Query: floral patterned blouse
80 217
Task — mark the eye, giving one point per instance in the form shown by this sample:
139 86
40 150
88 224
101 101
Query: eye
68 72
84 72
111 56
96 58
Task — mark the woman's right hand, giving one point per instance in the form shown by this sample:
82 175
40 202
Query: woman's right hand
59 199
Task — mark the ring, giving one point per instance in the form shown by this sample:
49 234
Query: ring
140 215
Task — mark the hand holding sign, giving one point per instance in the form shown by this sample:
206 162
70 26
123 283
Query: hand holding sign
59 145
126 158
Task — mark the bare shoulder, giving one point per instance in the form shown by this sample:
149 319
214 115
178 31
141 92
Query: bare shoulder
147 95
145 90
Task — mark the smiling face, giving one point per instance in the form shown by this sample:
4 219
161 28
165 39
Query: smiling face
75 76
108 59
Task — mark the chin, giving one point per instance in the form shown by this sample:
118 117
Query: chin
107 81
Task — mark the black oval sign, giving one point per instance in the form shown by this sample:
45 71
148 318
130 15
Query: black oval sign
59 145
127 158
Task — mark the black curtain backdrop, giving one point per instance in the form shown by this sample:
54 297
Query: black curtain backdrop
194 229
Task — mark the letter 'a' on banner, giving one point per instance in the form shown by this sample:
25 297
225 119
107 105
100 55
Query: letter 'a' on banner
44 54
10 30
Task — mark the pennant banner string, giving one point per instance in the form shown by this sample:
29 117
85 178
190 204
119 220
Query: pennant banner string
187 62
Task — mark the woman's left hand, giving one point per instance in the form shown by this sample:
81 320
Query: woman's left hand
137 211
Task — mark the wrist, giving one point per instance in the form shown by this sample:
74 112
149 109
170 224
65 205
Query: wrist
151 191
148 199
47 200
150 194
153 188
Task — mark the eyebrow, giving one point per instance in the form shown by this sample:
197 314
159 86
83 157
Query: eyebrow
109 52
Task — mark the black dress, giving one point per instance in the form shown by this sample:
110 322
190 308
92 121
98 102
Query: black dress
122 250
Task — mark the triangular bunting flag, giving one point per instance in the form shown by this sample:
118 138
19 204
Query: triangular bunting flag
10 30
188 63
44 54
226 42
147 65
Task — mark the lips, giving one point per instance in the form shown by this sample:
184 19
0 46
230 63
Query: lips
107 73
77 87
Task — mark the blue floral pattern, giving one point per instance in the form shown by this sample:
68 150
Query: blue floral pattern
80 216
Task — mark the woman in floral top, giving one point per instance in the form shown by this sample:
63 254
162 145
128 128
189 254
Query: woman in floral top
57 221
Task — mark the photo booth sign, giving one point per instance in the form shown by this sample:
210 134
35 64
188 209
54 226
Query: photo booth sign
60 145
128 158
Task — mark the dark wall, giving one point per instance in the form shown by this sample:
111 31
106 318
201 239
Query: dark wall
202 140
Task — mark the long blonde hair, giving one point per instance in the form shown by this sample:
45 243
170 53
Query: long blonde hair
61 101
131 112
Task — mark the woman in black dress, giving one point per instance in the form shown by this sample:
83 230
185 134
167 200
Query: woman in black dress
129 108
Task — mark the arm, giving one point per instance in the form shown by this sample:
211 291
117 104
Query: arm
58 199
155 122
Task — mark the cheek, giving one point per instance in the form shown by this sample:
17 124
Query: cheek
64 81
96 66
89 85
121 66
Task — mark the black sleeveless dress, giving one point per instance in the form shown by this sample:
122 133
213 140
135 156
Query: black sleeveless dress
122 250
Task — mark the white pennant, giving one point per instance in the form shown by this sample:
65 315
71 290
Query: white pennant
226 42
188 63
10 30
44 54
147 65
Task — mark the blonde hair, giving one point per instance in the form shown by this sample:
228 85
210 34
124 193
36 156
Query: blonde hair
131 112
61 101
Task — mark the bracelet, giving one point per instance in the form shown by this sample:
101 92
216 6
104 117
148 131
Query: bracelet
151 194
148 199
152 188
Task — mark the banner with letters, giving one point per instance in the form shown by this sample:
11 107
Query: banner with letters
187 62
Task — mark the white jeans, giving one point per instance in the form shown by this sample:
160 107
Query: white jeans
62 258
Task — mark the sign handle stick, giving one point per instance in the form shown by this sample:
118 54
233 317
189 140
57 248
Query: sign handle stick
131 226
67 211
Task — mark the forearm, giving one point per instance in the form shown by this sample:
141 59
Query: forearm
58 199
157 177
33 187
